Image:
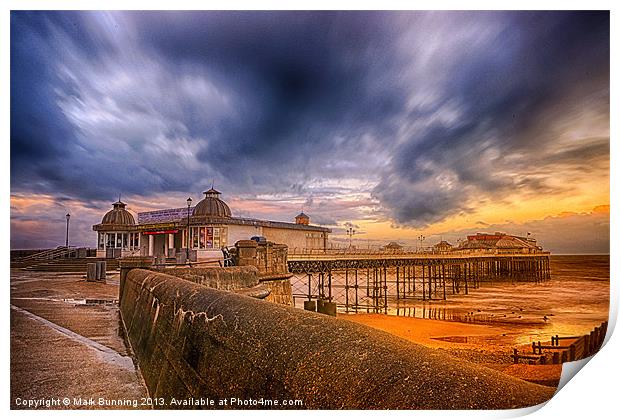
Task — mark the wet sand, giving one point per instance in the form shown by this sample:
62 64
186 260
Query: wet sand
489 346
433 333
572 302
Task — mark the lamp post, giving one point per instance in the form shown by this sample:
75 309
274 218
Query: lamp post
189 204
68 216
421 239
350 232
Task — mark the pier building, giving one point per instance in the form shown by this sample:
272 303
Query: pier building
203 230
499 243
442 247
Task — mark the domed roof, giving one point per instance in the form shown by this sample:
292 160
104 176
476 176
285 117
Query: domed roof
212 205
118 215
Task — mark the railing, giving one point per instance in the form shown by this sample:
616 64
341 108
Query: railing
134 253
202 263
50 254
346 252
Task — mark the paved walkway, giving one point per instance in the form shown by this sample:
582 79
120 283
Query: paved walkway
67 348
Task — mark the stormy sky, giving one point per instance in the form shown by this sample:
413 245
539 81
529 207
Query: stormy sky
401 123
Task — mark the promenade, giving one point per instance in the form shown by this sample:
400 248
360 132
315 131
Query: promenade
67 347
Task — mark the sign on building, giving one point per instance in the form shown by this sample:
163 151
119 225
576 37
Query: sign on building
161 216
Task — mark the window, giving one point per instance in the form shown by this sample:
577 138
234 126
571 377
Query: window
209 242
202 238
194 232
101 241
216 238
208 237
111 240
125 244
223 232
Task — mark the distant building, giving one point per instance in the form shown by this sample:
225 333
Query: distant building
393 247
211 227
302 219
499 243
442 247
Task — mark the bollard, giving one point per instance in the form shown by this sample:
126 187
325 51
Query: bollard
515 356
102 273
310 305
97 270
91 272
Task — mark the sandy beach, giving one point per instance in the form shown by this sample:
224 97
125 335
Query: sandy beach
489 346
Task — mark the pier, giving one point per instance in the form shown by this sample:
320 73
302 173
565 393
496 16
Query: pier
367 281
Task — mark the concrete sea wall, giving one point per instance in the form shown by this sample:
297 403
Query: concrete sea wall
193 341
281 291
235 279
229 278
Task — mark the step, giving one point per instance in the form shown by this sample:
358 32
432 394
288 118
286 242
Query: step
71 265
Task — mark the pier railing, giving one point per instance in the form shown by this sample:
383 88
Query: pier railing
352 253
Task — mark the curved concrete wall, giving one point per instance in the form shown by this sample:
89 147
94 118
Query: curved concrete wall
228 278
192 341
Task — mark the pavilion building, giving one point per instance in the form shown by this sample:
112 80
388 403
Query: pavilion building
499 243
209 226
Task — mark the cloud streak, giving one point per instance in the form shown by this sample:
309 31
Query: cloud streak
413 117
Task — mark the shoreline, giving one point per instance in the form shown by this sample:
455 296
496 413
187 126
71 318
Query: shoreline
486 345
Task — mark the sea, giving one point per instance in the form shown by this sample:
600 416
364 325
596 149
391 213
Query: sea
572 302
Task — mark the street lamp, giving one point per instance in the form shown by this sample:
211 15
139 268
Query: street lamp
350 232
68 216
189 204
421 239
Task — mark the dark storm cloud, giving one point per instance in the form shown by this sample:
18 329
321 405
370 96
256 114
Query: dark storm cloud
432 109
309 86
541 69
287 88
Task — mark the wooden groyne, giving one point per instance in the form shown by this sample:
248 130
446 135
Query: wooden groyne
564 349
367 282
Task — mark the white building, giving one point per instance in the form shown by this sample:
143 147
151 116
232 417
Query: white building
211 227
